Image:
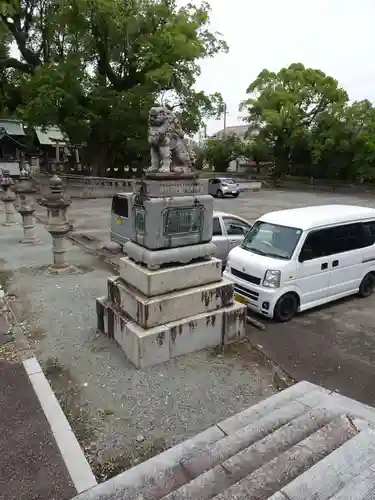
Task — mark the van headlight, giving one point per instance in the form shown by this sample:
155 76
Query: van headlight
227 268
272 278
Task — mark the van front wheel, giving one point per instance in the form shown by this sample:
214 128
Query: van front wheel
367 286
286 308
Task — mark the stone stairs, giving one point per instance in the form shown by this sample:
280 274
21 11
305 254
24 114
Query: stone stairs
302 443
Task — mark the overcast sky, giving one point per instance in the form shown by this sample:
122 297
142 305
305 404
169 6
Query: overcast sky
336 36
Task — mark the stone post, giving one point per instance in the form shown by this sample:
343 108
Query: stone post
58 224
8 198
26 207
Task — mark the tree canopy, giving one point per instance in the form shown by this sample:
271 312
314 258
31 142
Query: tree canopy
218 152
304 119
95 67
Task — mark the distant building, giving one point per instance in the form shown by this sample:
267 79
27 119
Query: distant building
54 147
241 131
12 145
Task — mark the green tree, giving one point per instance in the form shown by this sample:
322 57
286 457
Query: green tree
218 152
344 143
284 107
94 67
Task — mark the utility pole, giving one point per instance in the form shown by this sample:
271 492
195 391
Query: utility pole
202 134
225 119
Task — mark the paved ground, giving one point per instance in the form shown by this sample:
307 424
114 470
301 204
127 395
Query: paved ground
31 467
91 217
333 346
120 415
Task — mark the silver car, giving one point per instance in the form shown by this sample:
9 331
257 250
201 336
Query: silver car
221 186
228 230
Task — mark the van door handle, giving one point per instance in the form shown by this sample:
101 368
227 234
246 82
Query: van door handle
335 263
324 265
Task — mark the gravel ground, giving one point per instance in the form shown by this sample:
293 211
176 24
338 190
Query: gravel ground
120 415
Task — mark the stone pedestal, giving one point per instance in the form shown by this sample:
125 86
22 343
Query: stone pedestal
8 198
25 206
170 298
172 221
58 224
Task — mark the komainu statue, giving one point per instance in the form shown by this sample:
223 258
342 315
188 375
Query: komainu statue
170 152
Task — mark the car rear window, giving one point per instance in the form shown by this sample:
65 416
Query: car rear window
120 206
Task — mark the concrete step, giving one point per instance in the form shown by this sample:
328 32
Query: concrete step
304 392
267 479
338 469
169 279
259 431
301 442
149 312
362 487
240 465
147 347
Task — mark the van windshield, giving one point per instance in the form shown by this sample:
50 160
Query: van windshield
272 240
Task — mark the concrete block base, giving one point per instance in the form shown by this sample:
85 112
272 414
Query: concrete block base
154 259
147 347
154 311
165 280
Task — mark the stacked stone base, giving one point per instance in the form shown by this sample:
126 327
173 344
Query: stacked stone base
157 315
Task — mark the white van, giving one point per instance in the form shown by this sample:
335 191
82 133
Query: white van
293 260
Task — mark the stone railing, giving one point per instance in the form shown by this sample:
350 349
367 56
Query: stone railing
80 186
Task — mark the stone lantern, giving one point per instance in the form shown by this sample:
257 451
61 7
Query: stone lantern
8 198
26 207
58 224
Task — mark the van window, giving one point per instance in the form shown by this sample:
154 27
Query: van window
370 226
334 240
120 206
316 245
347 237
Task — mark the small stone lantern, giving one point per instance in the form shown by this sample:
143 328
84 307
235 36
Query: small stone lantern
8 198
58 224
26 207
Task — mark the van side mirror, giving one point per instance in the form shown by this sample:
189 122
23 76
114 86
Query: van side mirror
306 254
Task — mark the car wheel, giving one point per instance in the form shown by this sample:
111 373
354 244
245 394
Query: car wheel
235 195
220 194
367 286
286 307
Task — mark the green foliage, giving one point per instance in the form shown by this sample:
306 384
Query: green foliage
289 109
218 152
304 121
94 67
